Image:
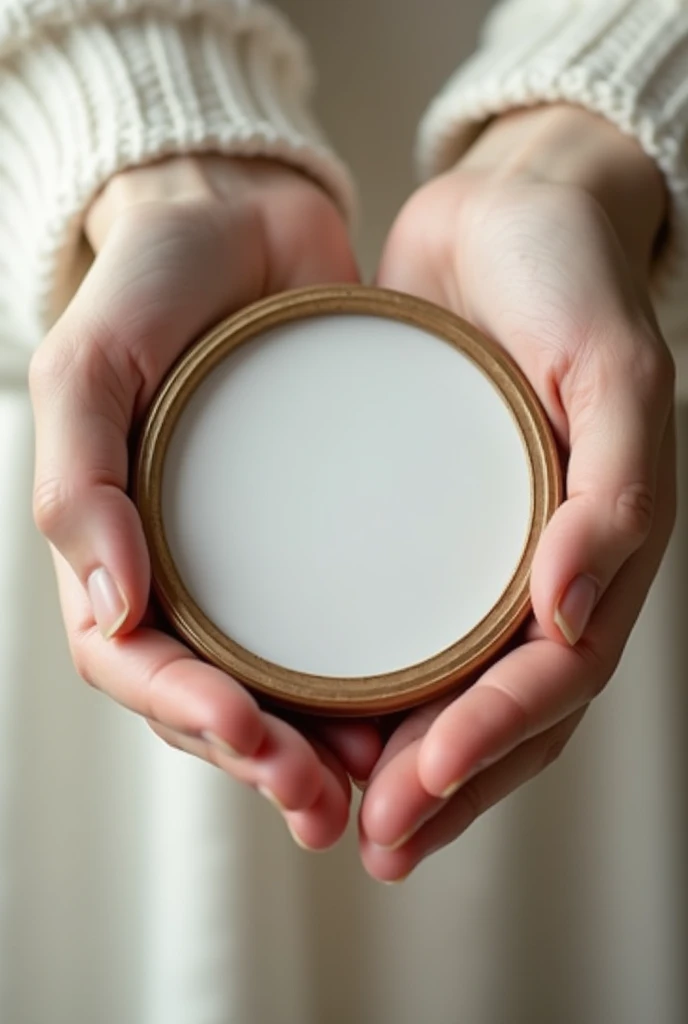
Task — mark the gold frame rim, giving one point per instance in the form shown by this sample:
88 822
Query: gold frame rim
370 695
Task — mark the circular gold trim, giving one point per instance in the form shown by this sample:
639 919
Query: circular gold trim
347 696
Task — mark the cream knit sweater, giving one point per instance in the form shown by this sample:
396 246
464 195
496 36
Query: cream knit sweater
88 87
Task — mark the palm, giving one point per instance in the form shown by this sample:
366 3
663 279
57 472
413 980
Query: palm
539 269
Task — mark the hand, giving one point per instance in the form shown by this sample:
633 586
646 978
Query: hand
543 237
180 245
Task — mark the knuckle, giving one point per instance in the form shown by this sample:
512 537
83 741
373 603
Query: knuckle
513 709
644 362
51 506
89 362
634 511
605 358
49 364
158 683
655 370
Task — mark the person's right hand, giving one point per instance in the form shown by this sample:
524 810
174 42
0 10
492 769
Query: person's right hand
180 245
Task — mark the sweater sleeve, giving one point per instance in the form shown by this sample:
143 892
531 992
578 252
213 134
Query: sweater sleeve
90 87
626 60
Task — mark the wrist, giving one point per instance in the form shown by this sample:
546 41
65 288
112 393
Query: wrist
567 145
203 178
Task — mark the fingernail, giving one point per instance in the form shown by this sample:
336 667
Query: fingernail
398 843
575 608
454 788
222 745
299 841
395 881
269 795
110 607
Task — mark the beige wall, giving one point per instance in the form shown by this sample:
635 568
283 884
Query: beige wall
379 63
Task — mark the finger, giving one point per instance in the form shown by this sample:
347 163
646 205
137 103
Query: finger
142 303
531 689
618 400
263 772
291 774
322 824
154 675
395 803
284 769
356 745
458 813
401 731
81 473
315 828
539 684
201 710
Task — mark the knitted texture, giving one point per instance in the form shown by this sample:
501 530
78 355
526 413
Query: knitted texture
626 60
90 87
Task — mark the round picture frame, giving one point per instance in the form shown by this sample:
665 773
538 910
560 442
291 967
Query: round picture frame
333 695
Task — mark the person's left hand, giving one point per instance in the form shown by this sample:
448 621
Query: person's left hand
543 238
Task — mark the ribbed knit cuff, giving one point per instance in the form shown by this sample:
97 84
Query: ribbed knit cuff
79 103
623 59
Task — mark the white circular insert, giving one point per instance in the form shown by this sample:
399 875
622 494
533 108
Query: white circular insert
346 495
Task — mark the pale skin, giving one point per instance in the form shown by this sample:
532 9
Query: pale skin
543 235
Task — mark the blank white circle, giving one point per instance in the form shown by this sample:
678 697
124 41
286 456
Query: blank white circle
346 495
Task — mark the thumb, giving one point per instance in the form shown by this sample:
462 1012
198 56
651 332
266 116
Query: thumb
148 294
617 398
83 396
